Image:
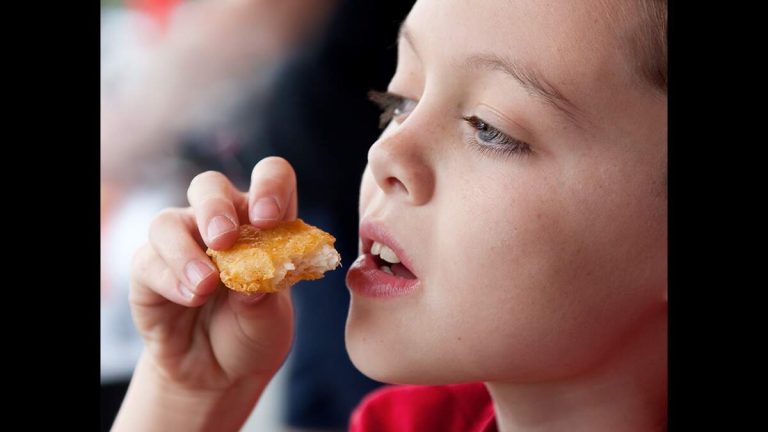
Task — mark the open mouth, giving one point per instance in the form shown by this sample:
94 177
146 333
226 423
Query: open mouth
387 261
383 270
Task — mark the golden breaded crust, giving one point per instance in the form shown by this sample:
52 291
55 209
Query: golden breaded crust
250 265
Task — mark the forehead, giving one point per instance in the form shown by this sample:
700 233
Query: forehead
576 45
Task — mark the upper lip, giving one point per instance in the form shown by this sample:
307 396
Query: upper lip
371 231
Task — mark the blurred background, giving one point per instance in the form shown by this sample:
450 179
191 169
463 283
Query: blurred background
188 86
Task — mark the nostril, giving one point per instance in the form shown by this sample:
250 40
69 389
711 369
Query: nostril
396 185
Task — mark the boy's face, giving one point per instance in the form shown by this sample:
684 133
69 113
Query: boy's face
530 264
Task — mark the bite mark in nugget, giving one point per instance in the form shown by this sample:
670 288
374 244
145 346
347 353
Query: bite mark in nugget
272 259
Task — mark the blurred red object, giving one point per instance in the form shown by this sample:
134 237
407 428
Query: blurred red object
160 10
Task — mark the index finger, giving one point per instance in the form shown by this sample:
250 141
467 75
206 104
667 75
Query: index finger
214 201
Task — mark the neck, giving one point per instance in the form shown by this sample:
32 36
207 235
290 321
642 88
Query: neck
625 392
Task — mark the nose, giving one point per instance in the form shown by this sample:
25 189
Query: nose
400 165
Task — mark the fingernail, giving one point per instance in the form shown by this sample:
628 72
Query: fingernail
197 271
186 292
265 209
218 226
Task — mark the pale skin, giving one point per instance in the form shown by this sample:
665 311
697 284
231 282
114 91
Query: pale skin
542 274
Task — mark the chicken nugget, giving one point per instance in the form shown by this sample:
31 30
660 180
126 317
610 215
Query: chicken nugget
273 259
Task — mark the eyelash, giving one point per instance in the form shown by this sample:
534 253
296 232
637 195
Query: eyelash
504 145
390 103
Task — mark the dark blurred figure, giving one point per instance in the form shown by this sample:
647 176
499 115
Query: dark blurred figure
319 118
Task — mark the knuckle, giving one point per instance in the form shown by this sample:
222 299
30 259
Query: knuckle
164 219
139 260
216 202
132 293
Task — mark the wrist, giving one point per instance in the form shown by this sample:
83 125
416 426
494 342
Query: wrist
155 402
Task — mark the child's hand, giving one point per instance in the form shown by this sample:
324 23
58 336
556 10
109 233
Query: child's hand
198 334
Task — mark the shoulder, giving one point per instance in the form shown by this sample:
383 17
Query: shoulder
458 407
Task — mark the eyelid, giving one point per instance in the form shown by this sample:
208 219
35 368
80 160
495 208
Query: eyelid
503 123
508 146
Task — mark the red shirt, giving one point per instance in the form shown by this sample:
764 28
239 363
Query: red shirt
458 407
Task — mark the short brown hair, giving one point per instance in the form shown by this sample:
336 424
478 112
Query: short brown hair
642 26
649 42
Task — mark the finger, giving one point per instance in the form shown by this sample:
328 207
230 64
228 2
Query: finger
260 324
154 283
272 195
214 201
171 237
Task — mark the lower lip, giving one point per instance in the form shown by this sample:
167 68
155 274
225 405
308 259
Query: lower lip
365 278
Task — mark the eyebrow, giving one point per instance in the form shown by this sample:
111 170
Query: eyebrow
533 81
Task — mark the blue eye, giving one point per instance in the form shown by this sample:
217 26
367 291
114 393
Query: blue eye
391 105
490 138
486 138
404 107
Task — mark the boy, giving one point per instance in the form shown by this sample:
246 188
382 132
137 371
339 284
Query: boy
521 184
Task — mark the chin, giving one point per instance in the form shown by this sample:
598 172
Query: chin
387 359
394 371
368 353
377 370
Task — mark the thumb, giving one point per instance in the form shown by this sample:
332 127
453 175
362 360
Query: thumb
263 327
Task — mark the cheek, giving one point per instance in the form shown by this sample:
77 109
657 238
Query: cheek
497 284
528 279
542 279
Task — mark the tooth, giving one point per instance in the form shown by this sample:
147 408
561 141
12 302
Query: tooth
388 255
376 248
386 269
